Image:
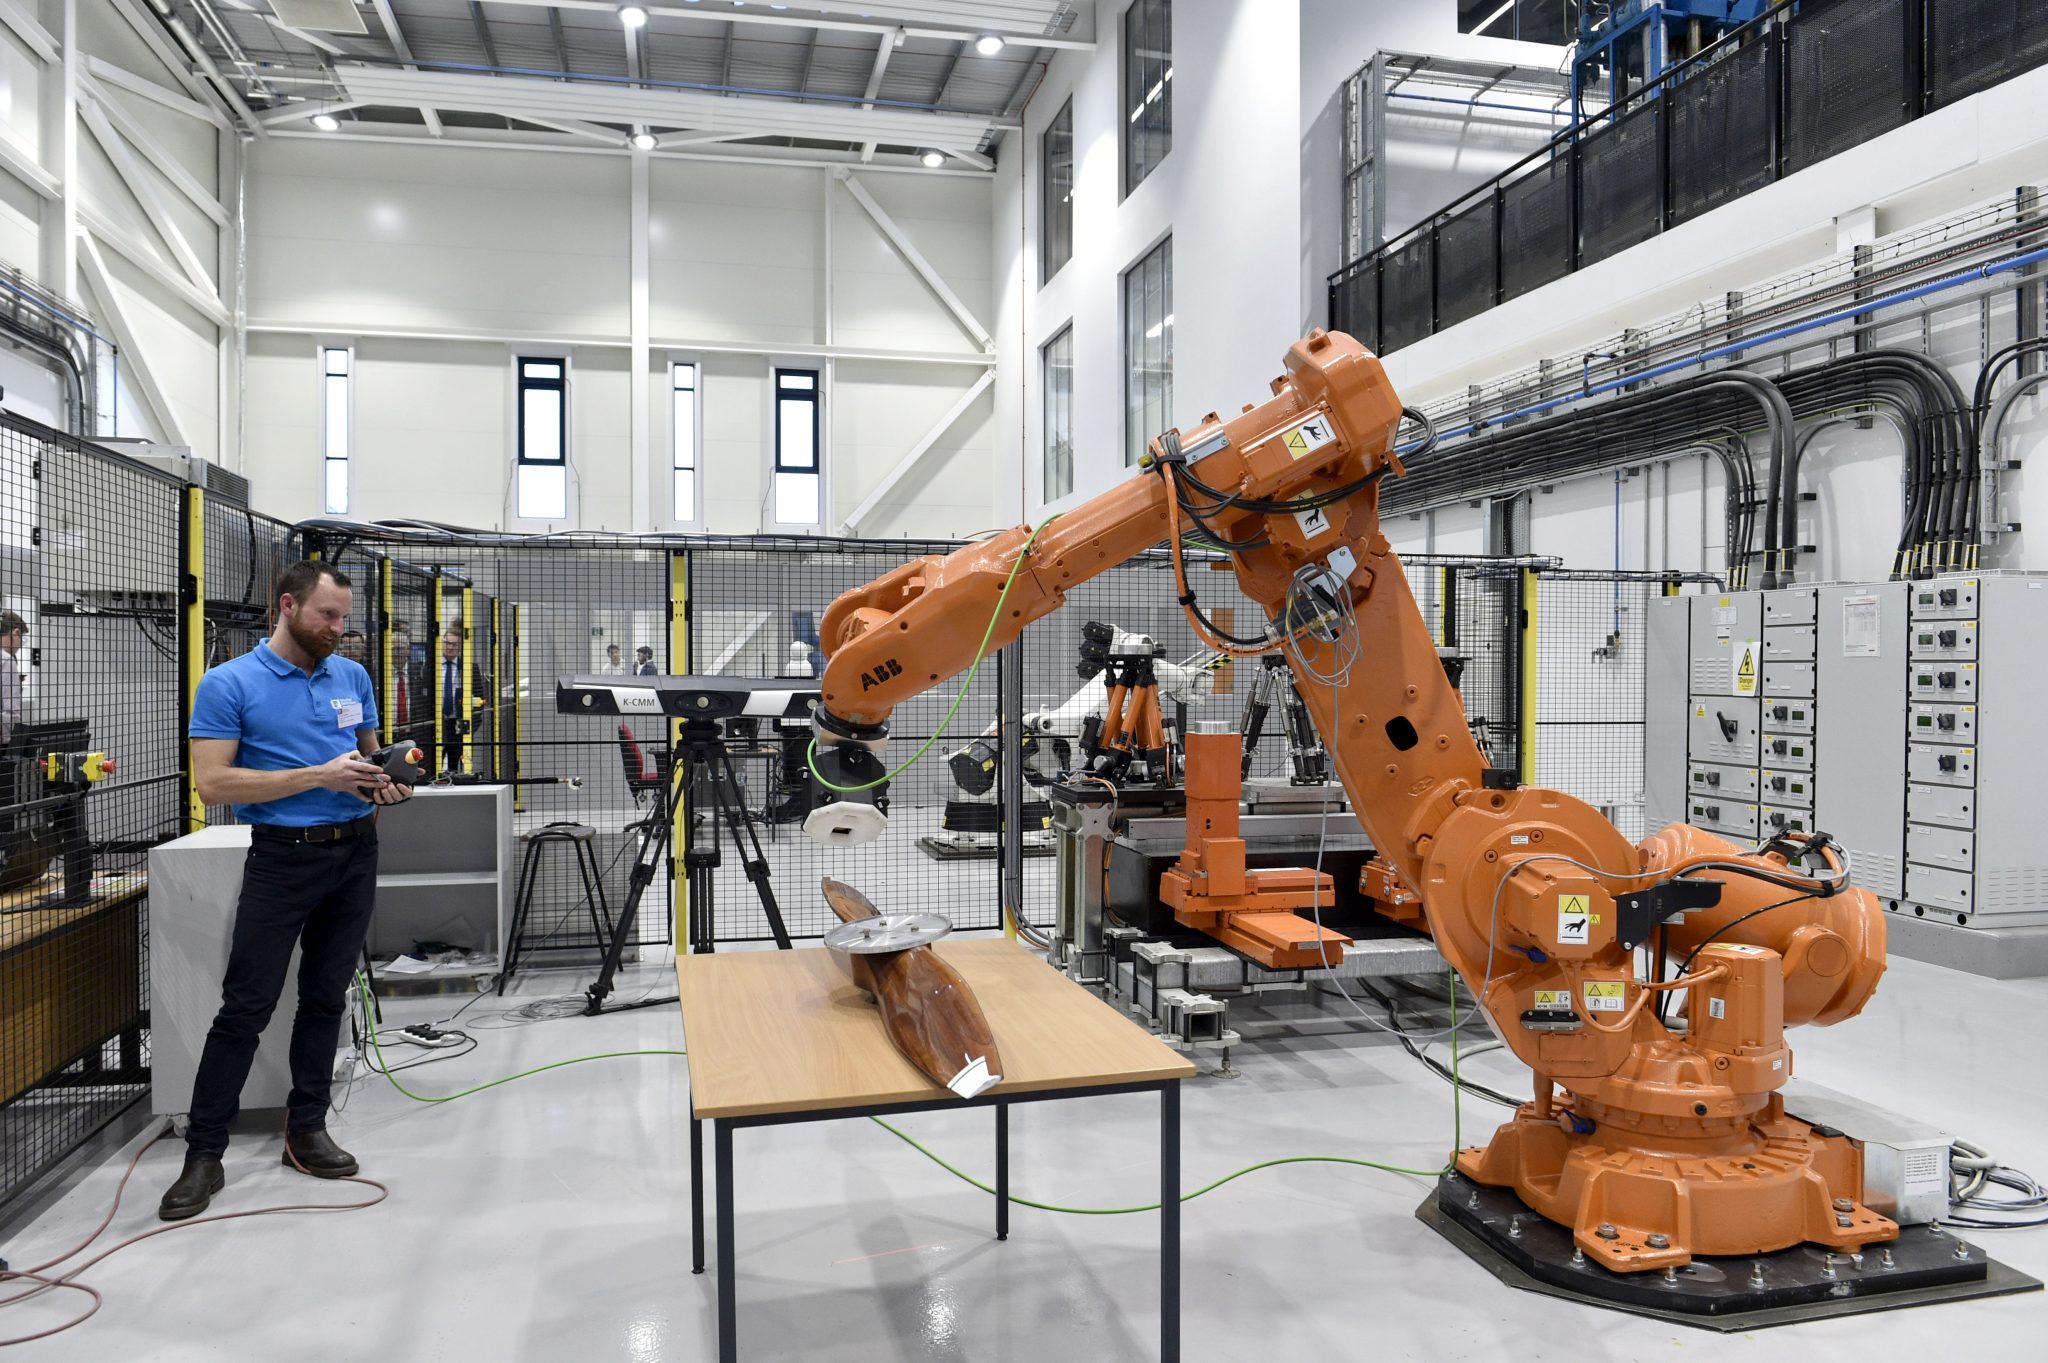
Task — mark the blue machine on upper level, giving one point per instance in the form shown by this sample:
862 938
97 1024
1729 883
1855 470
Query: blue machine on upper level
1629 43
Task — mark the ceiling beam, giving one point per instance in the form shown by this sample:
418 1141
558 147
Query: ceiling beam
158 156
883 51
839 21
403 49
103 70
101 280
294 113
914 258
30 32
483 31
803 84
945 81
534 99
520 139
561 43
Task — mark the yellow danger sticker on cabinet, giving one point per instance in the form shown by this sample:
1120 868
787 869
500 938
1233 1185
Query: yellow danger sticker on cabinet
1745 668
1606 996
1557 1000
1574 920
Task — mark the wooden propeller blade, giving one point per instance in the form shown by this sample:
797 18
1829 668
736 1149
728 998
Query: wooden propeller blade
928 1011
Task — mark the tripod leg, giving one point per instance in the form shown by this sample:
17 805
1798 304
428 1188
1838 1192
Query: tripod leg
726 782
654 837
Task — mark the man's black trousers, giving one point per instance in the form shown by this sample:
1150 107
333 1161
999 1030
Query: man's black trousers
314 895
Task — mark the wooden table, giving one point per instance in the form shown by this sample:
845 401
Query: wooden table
776 1037
68 982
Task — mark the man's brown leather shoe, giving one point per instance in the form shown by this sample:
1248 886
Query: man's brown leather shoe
201 1179
315 1153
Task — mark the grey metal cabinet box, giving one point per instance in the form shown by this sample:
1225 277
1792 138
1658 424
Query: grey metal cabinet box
1944 639
1860 729
1787 787
1788 680
1666 702
1789 606
1736 783
1954 806
1721 626
1944 681
1723 729
1944 724
1791 643
1953 598
1938 765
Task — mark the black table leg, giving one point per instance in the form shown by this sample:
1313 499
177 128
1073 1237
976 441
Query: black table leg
1169 1222
1002 1171
728 1278
696 1195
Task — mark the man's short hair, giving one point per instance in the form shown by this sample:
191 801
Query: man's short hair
10 622
643 652
300 580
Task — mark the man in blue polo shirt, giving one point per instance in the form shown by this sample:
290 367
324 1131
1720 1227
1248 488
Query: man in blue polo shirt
280 733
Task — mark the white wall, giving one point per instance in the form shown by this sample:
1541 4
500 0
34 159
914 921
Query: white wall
1229 202
441 265
172 349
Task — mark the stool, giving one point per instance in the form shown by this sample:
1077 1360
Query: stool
578 837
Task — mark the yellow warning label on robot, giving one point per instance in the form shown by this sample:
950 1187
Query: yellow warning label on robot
1574 920
1308 437
1606 996
1559 1000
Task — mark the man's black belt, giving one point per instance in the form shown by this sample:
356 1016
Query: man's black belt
319 832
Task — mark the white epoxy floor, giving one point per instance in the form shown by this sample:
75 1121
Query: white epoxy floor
549 1219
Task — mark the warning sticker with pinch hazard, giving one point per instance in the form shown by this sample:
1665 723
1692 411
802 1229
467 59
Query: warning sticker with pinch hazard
1310 436
1574 920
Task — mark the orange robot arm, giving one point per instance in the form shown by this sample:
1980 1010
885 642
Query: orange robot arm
1675 1143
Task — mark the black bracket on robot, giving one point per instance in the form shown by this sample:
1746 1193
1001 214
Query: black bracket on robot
1638 912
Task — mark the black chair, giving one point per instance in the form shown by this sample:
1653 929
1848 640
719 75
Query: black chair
578 837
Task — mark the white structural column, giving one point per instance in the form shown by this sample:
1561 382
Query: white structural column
918 451
915 259
638 349
59 225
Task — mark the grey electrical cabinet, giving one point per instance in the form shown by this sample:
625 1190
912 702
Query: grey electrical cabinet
1860 730
1667 650
1977 737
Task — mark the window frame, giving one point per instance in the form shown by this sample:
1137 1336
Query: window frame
1134 439
1127 87
521 384
1047 266
776 468
328 458
1046 489
696 468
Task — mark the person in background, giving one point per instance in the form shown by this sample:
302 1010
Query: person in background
12 628
614 665
407 685
450 685
355 648
281 733
643 662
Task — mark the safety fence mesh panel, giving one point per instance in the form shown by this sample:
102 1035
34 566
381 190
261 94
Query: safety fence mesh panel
244 554
1535 228
1355 303
1590 641
1847 77
1972 45
90 579
1620 183
1406 293
1473 608
1467 254
1720 132
755 612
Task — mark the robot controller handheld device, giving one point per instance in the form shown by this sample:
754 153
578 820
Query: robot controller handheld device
1653 1140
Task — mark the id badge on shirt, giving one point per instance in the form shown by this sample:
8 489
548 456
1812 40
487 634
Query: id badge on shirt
348 714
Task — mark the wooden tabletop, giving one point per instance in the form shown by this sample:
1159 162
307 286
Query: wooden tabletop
22 927
786 1031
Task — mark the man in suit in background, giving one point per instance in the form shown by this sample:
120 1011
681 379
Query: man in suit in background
643 662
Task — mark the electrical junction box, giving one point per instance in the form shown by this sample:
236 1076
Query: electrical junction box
1905 1163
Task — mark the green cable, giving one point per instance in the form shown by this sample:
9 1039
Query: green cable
1457 1139
811 753
1457 1127
385 1069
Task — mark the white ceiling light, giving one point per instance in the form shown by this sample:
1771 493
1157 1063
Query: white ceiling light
327 123
988 44
642 140
633 16
933 157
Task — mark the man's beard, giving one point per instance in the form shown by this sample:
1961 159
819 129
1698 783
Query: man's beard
316 644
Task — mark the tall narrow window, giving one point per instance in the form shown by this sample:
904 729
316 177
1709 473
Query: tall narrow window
1056 193
543 474
1148 88
1057 373
1148 349
683 438
798 494
334 428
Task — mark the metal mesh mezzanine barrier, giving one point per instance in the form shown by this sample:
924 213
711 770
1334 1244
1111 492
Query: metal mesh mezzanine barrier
90 778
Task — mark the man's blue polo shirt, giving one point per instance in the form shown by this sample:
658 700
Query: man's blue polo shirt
285 719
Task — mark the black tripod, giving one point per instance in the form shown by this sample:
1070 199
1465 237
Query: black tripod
699 749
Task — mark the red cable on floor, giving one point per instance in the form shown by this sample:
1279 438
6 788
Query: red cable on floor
38 1273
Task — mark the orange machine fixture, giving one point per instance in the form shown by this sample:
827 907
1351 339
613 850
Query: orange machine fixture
1653 1146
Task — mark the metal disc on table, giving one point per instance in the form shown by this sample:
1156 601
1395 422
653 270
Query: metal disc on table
888 932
